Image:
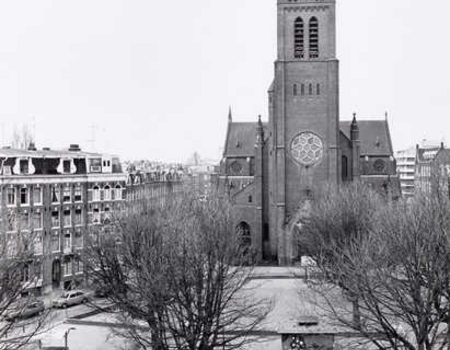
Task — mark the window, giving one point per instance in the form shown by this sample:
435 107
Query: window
11 196
37 243
67 243
96 193
344 168
55 194
67 217
37 220
299 38
78 218
295 90
55 241
78 195
24 196
26 273
310 89
250 199
96 216
78 243
37 195
55 218
318 89
107 193
24 221
67 268
244 232
77 266
302 90
67 197
11 221
66 166
24 167
313 38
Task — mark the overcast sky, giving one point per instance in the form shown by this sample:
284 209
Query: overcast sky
154 79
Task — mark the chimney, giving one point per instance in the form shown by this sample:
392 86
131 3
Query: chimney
74 148
32 147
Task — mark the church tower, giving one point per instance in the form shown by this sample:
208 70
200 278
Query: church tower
303 115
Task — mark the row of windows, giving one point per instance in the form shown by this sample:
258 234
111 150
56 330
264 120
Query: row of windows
107 193
306 89
22 195
299 38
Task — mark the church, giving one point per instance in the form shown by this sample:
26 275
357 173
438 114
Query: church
271 168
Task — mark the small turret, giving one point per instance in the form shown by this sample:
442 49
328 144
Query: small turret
354 129
356 152
259 131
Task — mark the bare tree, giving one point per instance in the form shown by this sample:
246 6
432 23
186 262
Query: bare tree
176 276
22 138
390 260
16 254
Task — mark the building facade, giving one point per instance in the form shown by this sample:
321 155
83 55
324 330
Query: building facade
432 169
60 197
272 169
406 164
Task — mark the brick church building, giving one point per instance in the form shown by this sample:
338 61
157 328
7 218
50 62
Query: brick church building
270 169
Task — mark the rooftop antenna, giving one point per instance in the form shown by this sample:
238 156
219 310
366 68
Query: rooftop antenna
92 140
34 128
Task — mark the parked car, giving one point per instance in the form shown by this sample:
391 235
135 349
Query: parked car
25 309
73 297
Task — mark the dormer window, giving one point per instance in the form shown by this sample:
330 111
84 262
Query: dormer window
24 167
66 166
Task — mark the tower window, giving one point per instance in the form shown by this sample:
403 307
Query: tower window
313 38
295 90
318 89
310 89
302 90
299 38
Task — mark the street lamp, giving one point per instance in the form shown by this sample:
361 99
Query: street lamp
66 335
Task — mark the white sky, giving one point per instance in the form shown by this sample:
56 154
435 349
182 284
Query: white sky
157 77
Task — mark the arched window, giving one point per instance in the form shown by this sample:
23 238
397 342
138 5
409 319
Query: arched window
310 89
118 192
313 38
107 193
302 89
344 168
299 38
295 90
318 89
96 193
245 235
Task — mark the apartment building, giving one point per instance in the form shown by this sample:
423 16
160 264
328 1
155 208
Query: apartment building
58 197
406 163
153 188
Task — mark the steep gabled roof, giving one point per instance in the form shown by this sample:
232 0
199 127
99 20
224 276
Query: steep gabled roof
241 137
374 136
428 155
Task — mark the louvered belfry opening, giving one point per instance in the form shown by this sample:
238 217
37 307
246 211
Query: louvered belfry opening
299 38
313 38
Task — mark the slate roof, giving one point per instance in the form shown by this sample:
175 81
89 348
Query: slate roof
428 154
374 136
14 153
241 138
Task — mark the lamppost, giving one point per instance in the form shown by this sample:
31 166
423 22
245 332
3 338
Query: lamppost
66 335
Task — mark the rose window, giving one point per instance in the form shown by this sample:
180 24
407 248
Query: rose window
379 165
307 148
